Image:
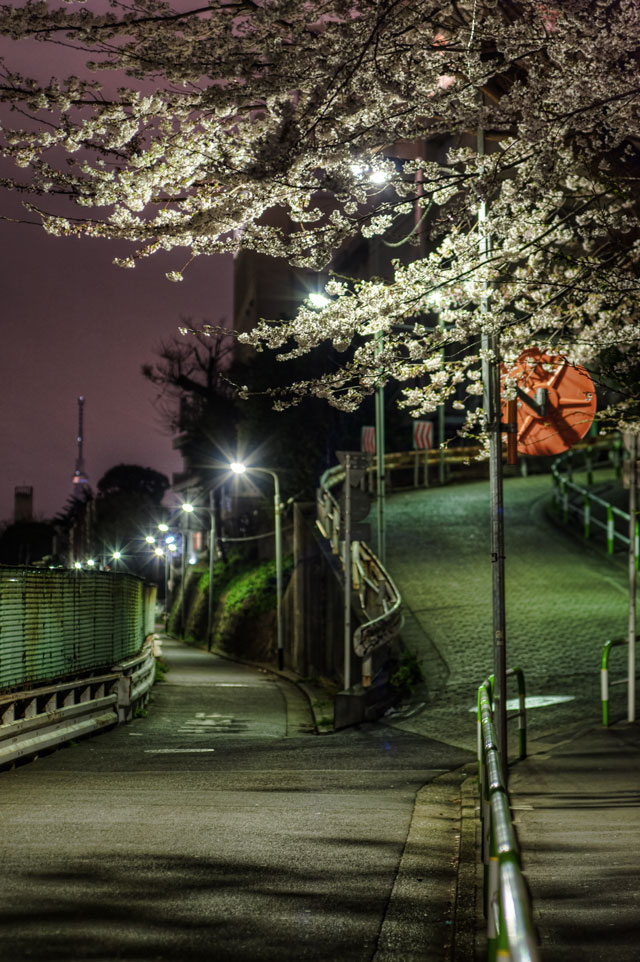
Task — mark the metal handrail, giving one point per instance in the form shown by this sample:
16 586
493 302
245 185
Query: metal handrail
564 483
510 929
380 600
604 675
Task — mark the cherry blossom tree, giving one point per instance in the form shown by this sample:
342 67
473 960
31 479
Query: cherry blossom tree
497 139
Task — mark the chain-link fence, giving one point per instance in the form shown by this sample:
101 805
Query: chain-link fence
54 623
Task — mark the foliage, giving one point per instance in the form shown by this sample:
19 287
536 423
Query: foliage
126 509
26 542
359 119
408 674
161 669
131 479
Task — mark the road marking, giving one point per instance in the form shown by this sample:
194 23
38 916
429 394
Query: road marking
535 701
177 751
233 684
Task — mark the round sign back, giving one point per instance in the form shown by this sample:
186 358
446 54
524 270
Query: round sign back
556 402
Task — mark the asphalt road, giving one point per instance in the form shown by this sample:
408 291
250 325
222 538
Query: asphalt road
217 827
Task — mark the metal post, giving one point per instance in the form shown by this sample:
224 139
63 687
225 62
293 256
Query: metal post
492 413
633 506
347 573
380 467
277 507
212 552
166 587
183 573
441 424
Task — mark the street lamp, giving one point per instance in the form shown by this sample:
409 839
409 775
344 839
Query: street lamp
189 508
239 468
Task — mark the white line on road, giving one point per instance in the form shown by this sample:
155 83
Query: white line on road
176 751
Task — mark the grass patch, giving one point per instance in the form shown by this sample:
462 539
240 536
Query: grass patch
160 673
408 674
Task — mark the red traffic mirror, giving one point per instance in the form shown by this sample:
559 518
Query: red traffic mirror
556 402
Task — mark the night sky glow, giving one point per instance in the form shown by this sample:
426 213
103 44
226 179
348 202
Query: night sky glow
75 324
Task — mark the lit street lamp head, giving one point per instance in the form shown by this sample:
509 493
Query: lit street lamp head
187 507
238 467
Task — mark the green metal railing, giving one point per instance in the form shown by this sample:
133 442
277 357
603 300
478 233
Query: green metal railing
604 676
510 929
564 486
55 623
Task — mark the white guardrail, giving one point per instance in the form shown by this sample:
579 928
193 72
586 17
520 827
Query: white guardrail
34 720
380 600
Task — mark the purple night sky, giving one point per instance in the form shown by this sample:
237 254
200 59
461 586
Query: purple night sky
75 324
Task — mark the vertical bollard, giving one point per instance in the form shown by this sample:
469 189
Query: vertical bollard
604 683
610 529
587 515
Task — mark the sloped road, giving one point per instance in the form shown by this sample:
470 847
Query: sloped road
217 828
563 600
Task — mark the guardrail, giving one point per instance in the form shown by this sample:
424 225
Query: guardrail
606 453
380 602
604 676
426 463
37 719
76 654
510 929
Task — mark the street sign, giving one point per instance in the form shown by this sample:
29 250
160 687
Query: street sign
359 461
556 402
422 435
368 439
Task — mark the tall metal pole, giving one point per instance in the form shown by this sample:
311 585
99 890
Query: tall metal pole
347 573
212 552
633 508
277 508
492 412
380 467
441 423
183 579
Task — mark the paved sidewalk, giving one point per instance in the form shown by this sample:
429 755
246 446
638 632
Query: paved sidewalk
576 799
577 815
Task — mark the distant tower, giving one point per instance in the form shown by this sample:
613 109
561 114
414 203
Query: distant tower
80 479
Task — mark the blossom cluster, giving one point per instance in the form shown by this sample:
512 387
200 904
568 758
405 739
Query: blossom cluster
517 203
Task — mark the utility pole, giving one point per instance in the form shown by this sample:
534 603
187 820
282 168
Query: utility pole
633 509
492 413
380 451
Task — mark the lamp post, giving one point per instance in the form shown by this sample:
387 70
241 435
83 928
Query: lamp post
239 468
189 508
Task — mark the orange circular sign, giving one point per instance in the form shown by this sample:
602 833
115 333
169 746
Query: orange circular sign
556 402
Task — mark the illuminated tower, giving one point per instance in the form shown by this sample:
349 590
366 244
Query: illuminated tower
80 480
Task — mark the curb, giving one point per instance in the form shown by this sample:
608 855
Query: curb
433 899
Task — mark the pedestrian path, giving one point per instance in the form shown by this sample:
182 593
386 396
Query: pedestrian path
576 798
217 827
577 814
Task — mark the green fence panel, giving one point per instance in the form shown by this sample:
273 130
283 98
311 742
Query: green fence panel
54 623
